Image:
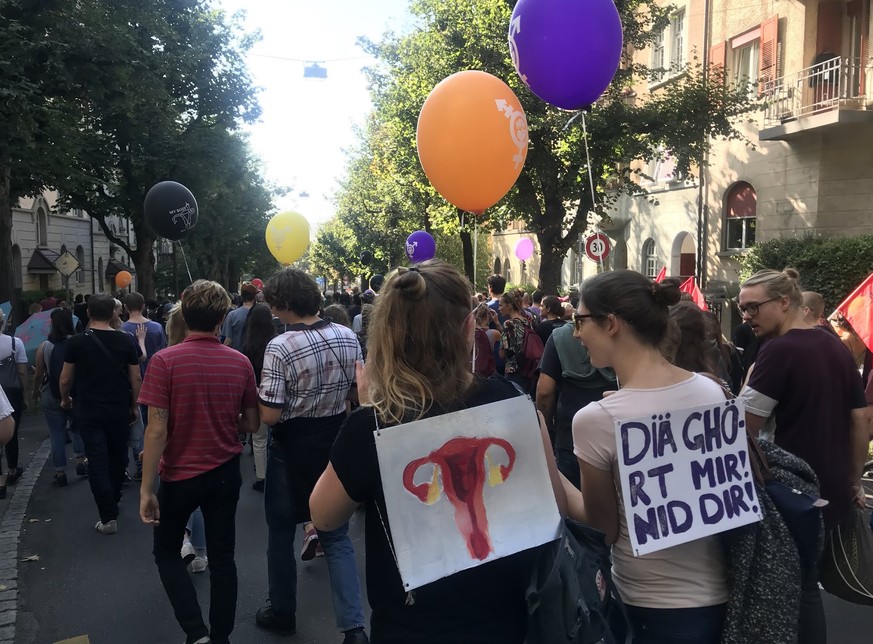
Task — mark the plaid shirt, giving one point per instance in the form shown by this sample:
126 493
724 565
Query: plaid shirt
309 370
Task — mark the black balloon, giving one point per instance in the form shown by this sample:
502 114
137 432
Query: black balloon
376 282
366 257
170 209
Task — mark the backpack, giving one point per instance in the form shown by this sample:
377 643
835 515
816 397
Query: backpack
571 597
54 366
484 364
532 352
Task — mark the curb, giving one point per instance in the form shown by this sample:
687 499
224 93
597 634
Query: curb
10 532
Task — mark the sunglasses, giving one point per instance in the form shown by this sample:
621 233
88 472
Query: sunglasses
579 319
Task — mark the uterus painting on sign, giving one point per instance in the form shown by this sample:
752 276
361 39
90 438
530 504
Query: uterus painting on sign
466 488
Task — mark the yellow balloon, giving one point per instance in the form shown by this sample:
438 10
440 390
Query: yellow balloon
288 236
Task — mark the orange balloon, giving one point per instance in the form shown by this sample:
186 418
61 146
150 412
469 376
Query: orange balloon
123 279
472 139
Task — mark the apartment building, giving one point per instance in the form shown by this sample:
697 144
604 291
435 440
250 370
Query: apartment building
41 234
809 162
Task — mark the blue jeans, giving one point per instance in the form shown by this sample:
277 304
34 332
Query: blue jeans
198 532
281 556
56 419
677 625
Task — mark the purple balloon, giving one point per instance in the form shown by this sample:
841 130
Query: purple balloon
566 51
420 246
524 248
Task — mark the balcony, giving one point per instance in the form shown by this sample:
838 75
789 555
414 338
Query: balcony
826 94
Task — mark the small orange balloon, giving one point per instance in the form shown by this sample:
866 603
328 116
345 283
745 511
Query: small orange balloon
472 139
123 279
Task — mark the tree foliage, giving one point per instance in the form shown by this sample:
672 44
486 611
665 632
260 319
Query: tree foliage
119 95
831 266
553 194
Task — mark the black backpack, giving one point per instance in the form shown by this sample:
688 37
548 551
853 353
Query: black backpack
571 597
55 366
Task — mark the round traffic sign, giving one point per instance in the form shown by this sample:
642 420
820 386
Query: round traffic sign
597 247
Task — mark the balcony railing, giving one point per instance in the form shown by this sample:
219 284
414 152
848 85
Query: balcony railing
828 85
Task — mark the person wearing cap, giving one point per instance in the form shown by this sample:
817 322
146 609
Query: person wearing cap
235 322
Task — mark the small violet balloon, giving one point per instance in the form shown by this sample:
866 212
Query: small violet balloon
566 51
170 209
420 246
524 248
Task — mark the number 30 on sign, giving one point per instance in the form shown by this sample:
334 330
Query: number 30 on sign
597 247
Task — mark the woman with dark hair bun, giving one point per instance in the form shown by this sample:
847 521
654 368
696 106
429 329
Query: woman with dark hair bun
552 312
675 595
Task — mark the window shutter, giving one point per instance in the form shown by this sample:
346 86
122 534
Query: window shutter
769 55
716 60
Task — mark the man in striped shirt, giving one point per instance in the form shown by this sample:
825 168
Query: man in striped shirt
308 375
200 394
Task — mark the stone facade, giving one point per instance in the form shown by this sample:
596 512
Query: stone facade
37 227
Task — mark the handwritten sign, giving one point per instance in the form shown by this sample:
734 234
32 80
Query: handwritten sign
685 474
465 488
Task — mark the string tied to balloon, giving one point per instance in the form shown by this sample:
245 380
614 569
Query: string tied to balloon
185 259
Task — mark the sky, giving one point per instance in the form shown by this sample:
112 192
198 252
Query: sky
307 125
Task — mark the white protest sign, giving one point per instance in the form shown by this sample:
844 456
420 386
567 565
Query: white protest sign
465 488
685 474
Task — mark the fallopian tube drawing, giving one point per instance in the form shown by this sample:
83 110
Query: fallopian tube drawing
462 465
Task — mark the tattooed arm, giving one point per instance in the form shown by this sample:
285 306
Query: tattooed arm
154 443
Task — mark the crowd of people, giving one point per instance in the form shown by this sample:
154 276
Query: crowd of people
169 394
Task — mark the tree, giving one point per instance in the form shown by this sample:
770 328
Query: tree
553 194
155 78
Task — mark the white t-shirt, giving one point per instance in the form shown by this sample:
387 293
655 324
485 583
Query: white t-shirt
5 408
6 349
690 575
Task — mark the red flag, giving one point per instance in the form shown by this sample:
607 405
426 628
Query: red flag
858 311
690 286
661 275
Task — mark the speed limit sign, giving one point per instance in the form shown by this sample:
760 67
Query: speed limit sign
597 247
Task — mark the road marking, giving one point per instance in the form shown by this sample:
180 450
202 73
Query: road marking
82 639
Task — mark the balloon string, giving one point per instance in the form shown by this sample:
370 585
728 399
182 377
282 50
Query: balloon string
185 259
590 173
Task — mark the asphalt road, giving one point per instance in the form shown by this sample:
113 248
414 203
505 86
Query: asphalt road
107 589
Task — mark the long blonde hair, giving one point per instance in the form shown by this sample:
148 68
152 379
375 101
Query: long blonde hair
418 349
176 327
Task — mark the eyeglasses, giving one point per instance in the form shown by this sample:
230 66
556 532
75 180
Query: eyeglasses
752 308
579 319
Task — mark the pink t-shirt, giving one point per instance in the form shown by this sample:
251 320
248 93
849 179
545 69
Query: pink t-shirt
205 386
690 575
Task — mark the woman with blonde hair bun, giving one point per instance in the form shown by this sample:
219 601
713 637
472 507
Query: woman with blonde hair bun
420 342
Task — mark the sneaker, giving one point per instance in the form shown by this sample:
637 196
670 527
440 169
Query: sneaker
127 478
356 636
12 479
310 543
82 468
199 564
110 527
60 479
258 485
187 553
269 620
319 551
203 640
138 474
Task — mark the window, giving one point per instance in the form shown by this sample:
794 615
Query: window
507 271
745 66
677 40
80 255
650 259
100 272
741 207
662 169
668 48
41 228
498 268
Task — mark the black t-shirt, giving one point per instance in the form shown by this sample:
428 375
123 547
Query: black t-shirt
544 329
482 605
101 387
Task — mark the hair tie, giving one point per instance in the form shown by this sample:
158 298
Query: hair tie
414 268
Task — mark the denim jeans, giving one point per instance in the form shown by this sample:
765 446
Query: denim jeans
281 556
56 419
812 628
677 625
216 493
105 443
197 530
